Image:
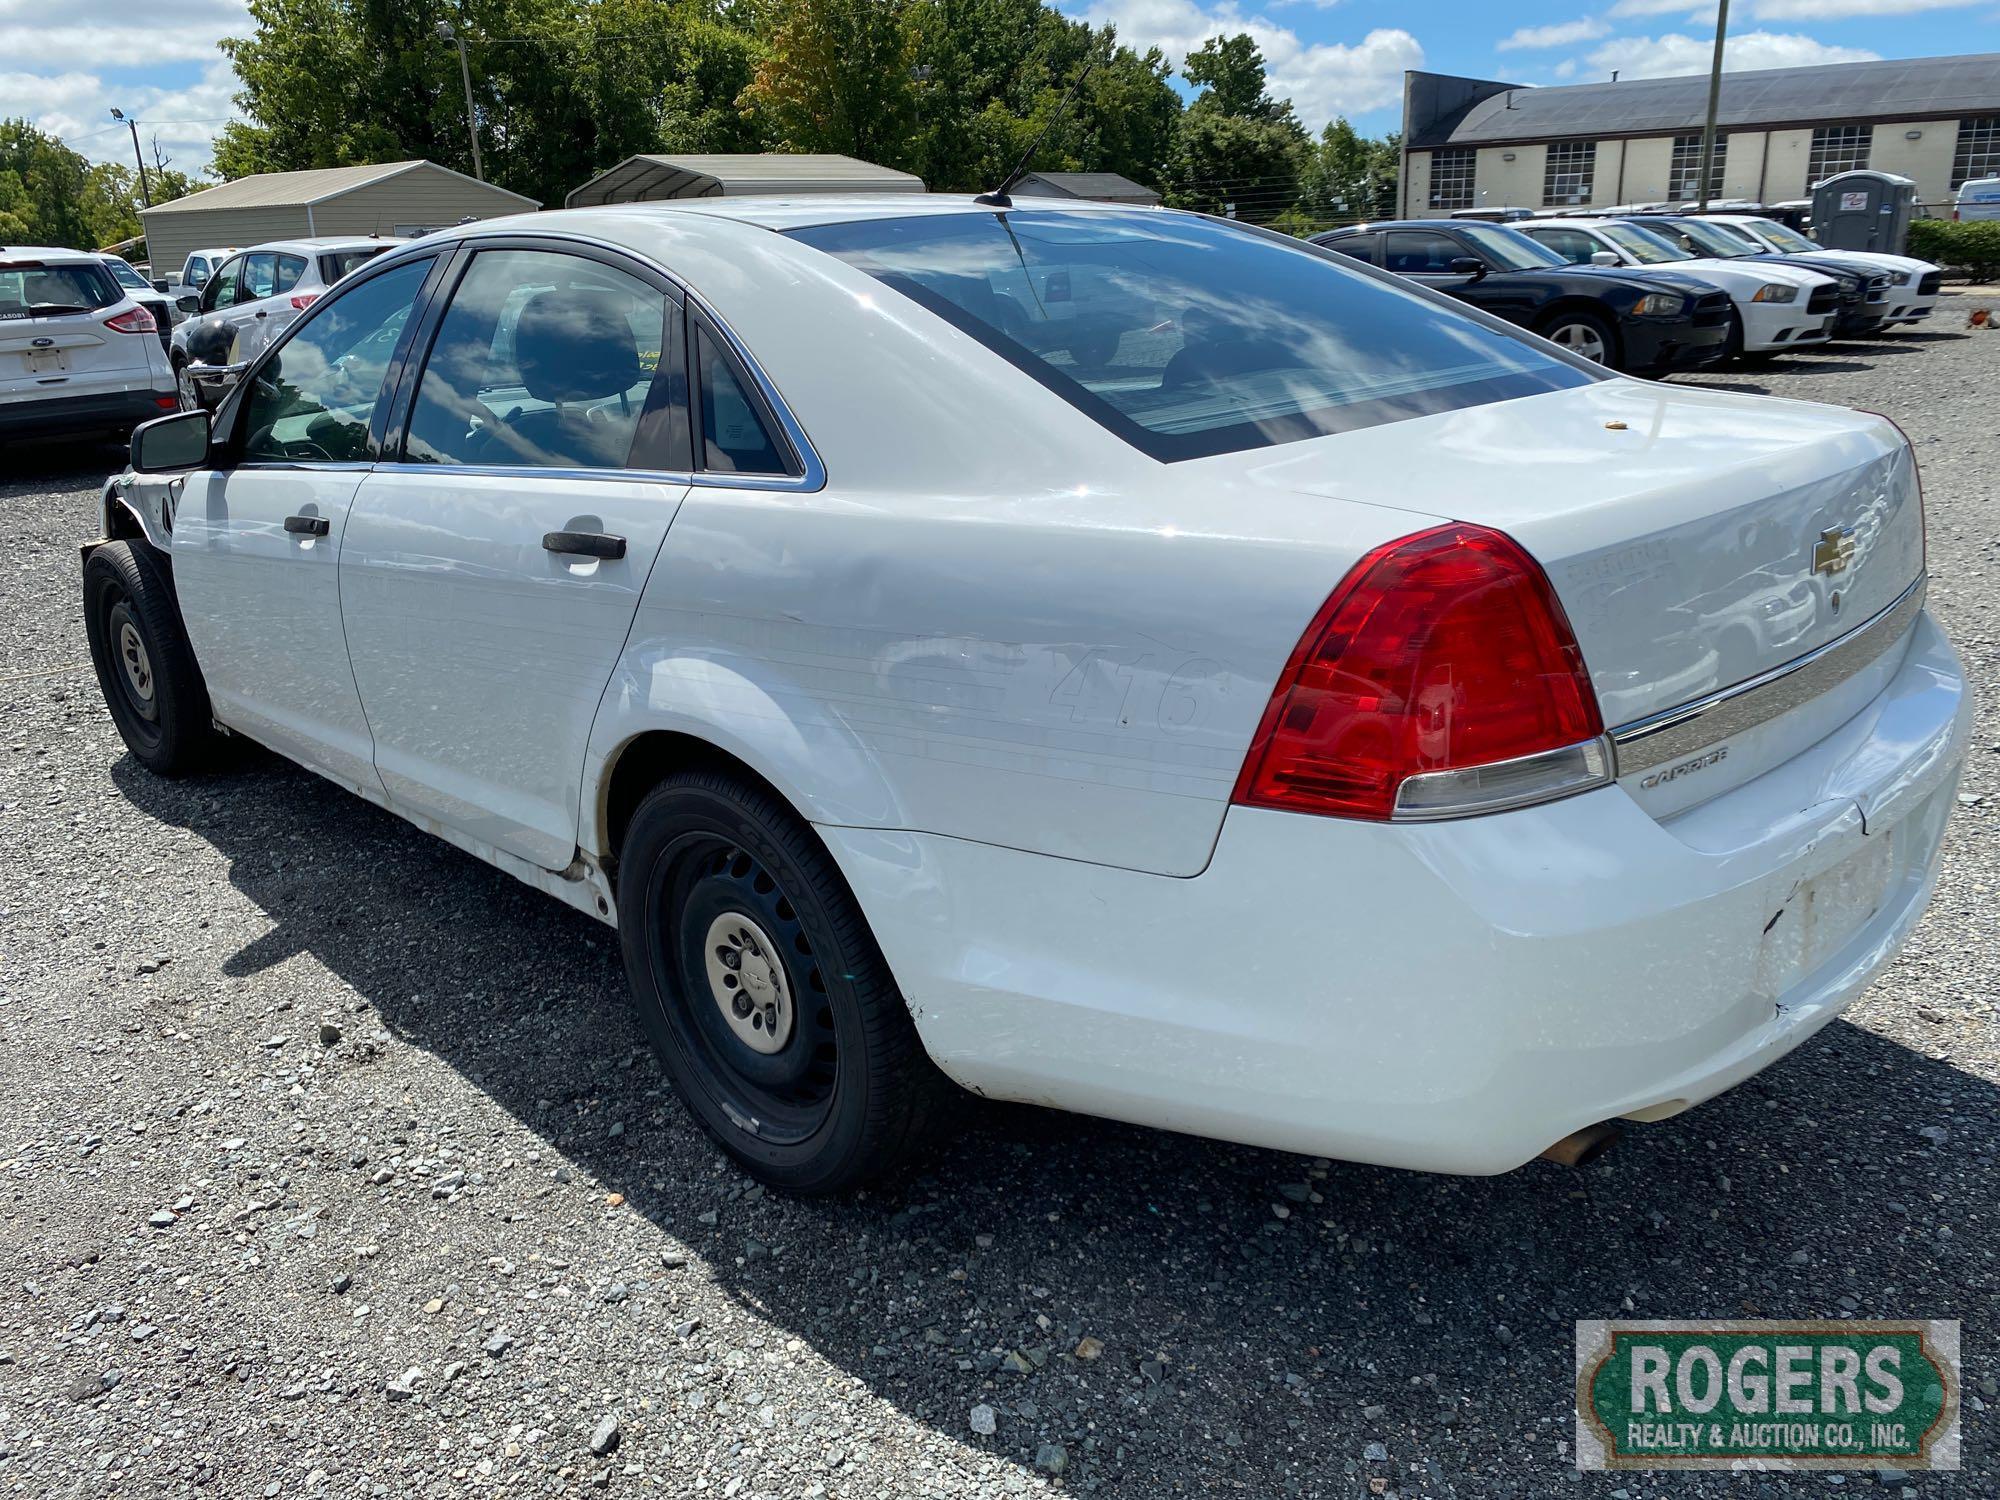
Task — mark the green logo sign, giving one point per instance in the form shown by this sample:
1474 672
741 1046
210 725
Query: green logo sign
1818 1395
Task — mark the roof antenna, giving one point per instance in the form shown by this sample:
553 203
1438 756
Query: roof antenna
998 197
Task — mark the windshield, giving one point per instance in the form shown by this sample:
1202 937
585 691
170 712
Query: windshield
1509 249
122 272
1784 237
334 264
1642 244
1719 239
1186 337
30 289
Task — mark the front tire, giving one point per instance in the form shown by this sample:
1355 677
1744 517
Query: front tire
1585 334
763 990
145 667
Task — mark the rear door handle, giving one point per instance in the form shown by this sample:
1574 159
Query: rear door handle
585 544
308 525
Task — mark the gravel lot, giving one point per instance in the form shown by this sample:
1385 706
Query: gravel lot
332 1162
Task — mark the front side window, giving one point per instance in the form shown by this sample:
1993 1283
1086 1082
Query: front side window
1977 154
1187 337
1837 148
1452 174
543 360
1567 175
1684 173
311 401
222 289
260 277
31 289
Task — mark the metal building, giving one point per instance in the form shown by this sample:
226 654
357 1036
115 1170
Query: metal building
648 178
1478 143
1103 187
397 197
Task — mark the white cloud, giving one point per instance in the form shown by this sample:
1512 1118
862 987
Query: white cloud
1692 9
77 107
1561 34
1322 79
1836 10
1674 55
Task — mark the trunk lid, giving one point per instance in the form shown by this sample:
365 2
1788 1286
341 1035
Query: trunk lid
1697 539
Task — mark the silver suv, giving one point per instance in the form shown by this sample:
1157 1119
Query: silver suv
77 352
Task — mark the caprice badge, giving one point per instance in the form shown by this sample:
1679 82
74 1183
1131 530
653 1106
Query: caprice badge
1834 550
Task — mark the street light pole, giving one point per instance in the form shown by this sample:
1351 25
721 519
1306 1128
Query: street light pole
145 190
1714 95
450 34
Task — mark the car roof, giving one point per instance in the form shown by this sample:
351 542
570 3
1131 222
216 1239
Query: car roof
48 253
1560 224
315 244
804 210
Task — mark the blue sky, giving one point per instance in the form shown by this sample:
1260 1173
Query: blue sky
65 65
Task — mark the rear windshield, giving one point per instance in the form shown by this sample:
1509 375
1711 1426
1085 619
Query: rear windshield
29 289
334 264
1187 337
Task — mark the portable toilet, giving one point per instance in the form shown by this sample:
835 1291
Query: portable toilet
1864 211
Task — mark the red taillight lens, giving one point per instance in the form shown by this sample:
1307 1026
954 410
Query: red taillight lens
1438 652
133 320
303 300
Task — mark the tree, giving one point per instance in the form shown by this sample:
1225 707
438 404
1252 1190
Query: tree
47 187
835 77
1238 149
1349 176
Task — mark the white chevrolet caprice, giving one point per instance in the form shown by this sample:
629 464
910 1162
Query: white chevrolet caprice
1104 657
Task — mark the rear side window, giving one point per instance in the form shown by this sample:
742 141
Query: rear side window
736 434
1410 250
334 264
31 289
290 269
1573 245
1358 246
1188 337
543 360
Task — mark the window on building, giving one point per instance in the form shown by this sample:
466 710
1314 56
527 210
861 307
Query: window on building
1567 178
1452 173
1978 153
1684 174
1837 148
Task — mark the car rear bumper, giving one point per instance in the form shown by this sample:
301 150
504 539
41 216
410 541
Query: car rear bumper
1448 997
55 416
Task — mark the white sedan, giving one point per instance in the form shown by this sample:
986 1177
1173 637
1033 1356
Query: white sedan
1776 307
1914 284
1103 657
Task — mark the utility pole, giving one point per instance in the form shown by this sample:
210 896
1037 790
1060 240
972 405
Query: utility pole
145 189
1714 95
449 33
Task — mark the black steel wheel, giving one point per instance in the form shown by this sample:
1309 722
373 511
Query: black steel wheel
145 667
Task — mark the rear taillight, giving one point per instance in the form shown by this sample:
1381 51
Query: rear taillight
1440 678
133 320
303 300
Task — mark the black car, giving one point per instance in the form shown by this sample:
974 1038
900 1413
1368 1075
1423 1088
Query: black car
1864 290
1645 323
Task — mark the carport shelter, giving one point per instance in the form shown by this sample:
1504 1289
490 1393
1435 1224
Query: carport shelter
389 198
648 179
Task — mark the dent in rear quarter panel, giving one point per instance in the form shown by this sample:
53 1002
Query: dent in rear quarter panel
1067 673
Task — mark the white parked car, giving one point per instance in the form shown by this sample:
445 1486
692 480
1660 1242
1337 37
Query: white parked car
1914 284
78 354
254 296
1977 199
194 275
1776 307
1306 711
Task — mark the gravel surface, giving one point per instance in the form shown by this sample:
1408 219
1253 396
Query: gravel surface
332 1162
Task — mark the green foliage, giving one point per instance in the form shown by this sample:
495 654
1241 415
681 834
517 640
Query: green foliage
51 195
1972 247
1350 177
835 76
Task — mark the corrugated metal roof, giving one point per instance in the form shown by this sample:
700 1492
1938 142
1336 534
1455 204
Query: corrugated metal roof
1907 88
639 178
294 189
1110 186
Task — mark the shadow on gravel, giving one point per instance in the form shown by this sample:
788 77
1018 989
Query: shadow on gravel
1262 1323
62 461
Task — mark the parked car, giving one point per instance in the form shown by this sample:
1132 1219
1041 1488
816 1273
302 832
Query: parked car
165 315
1913 284
1494 215
77 353
1864 289
1774 308
194 275
254 296
920 701
1977 199
1643 323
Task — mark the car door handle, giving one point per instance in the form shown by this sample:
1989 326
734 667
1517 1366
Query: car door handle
263 312
308 525
585 544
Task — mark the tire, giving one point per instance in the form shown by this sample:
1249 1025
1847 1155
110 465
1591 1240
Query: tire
184 388
145 667
1732 347
763 991
1579 332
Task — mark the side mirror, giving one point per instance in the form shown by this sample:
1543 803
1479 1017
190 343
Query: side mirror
168 444
1468 265
187 304
158 283
1603 258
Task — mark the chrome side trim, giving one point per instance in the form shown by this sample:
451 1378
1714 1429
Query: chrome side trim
1677 732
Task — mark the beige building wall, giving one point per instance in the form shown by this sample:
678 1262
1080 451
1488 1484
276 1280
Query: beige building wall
1648 160
1416 201
1501 183
1926 159
171 237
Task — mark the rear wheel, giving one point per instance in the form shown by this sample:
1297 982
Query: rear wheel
1583 333
145 667
184 386
763 990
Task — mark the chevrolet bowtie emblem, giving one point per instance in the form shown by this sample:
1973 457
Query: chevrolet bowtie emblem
1834 550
